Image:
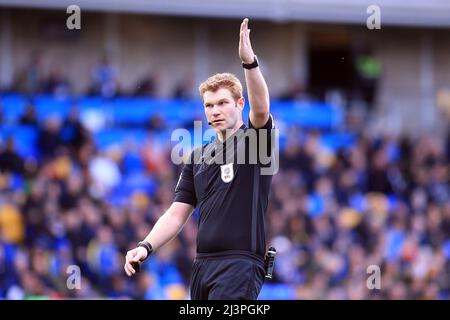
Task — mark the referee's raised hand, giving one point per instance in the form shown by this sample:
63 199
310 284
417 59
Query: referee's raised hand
133 260
245 47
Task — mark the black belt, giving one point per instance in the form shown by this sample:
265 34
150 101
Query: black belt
231 253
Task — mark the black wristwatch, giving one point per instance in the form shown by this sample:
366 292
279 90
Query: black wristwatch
252 65
147 247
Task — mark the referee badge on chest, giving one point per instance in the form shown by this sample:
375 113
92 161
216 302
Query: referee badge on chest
227 172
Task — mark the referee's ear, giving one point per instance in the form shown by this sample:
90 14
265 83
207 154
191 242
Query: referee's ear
240 103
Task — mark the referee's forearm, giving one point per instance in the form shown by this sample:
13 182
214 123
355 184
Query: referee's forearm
165 229
258 93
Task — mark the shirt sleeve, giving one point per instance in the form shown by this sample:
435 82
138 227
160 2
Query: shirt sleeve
185 188
265 132
268 126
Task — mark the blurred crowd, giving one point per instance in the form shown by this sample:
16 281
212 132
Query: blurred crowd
333 214
34 79
383 202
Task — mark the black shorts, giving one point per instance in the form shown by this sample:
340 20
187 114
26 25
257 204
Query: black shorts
228 276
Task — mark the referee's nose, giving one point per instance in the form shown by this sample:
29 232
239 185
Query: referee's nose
215 111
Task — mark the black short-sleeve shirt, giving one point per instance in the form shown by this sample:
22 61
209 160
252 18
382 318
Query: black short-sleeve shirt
230 191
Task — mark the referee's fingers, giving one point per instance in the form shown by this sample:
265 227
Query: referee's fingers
129 270
243 25
128 259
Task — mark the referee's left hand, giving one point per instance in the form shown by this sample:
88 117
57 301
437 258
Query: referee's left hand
245 47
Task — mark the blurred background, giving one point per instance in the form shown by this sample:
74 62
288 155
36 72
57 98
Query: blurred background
86 118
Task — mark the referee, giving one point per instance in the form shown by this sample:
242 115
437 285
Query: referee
231 195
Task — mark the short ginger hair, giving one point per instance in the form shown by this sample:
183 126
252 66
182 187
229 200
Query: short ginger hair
222 80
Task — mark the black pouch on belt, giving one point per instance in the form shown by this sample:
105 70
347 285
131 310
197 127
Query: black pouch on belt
270 262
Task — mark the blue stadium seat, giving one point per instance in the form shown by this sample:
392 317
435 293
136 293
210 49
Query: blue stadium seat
307 114
13 106
25 138
109 137
336 141
47 106
132 163
136 111
92 102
